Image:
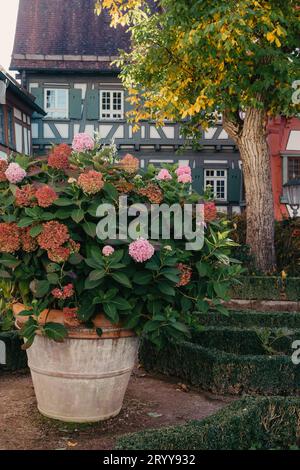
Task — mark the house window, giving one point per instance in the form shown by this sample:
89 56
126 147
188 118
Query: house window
217 180
2 128
10 128
293 168
57 103
111 104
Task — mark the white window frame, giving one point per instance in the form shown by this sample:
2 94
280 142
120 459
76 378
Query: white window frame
111 112
57 110
208 179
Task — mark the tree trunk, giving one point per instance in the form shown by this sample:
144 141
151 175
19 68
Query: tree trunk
250 136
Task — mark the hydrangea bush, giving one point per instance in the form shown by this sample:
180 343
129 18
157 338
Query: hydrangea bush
50 251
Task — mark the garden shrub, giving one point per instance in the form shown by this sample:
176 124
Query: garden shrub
16 358
247 319
248 341
60 253
267 422
222 372
267 288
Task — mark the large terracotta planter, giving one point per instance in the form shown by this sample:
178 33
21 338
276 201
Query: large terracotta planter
83 379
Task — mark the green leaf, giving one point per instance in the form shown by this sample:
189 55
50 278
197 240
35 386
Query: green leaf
53 267
172 277
86 310
55 331
92 263
47 216
77 215
121 278
25 222
181 327
88 285
10 261
97 274
221 309
203 268
116 256
111 191
99 332
29 331
111 312
41 289
64 202
4 274
35 231
53 278
90 229
75 259
186 304
95 253
121 304
151 326
202 306
63 214
142 278
153 265
220 289
166 288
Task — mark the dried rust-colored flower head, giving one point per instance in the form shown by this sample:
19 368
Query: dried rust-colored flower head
91 182
26 196
129 163
59 157
185 276
29 244
9 238
53 235
153 193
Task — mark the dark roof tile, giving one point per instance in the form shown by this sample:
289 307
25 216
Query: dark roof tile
64 27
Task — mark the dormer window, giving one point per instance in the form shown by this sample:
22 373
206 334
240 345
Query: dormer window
111 104
56 103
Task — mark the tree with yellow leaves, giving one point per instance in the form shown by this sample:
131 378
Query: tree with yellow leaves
193 59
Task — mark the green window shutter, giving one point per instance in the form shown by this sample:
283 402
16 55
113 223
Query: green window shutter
198 180
75 103
38 92
92 105
234 185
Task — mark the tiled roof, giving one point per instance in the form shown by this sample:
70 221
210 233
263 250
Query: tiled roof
65 35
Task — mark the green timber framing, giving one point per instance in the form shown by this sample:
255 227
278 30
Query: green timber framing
150 144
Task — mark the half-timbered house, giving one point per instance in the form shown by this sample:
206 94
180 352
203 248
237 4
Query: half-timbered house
63 53
16 109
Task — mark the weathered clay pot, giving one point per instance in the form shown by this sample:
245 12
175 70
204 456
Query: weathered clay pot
83 379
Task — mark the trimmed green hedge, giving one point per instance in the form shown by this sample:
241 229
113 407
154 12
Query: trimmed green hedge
250 422
267 288
222 372
250 341
16 358
251 319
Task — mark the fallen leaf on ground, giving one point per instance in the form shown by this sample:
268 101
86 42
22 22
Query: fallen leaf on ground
182 388
72 444
154 415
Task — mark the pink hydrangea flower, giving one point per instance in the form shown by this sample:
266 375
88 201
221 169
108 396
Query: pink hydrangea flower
14 173
184 170
141 250
164 175
184 178
108 250
82 143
